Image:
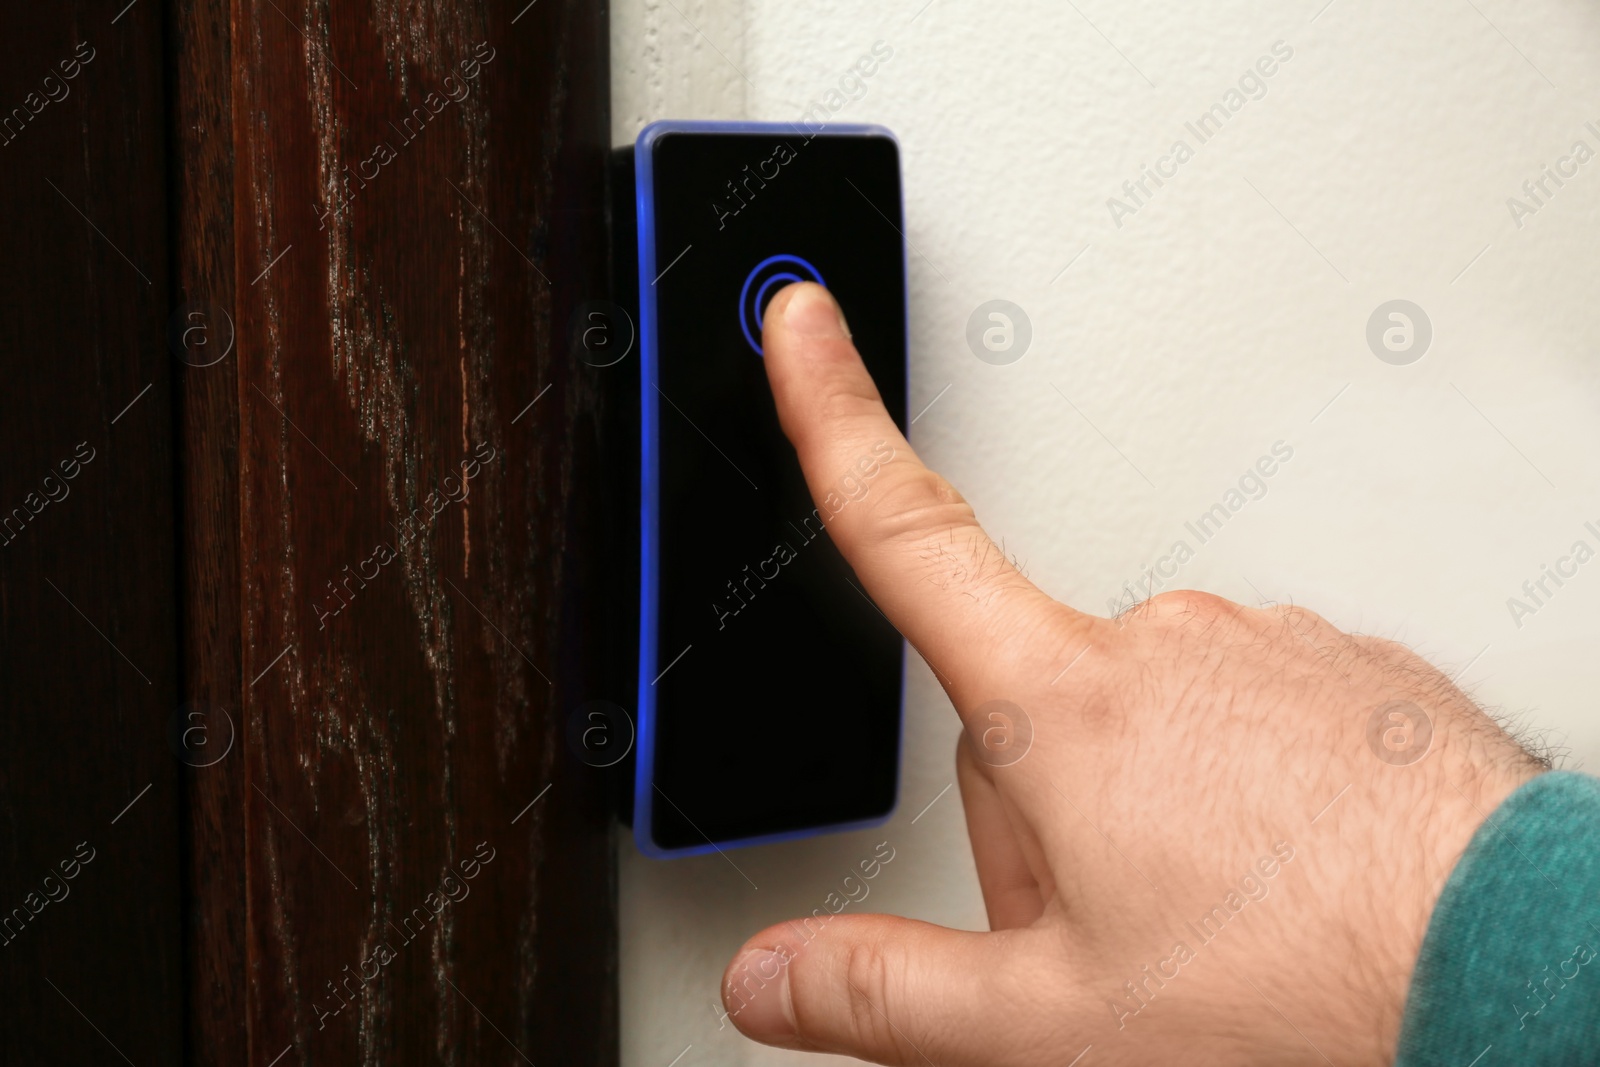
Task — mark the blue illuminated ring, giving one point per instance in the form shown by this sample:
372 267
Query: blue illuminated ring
745 308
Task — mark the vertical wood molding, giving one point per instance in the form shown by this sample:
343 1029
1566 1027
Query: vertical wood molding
397 319
203 337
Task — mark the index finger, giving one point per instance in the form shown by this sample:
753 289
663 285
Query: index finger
913 540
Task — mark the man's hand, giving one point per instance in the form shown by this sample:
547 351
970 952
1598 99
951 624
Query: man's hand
1223 845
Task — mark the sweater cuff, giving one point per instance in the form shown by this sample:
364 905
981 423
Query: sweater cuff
1508 972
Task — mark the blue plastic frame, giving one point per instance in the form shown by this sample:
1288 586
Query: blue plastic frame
650 481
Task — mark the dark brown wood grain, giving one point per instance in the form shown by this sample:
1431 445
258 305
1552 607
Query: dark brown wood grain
90 964
418 208
202 337
287 658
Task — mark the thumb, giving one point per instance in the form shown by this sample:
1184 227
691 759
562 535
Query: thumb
884 989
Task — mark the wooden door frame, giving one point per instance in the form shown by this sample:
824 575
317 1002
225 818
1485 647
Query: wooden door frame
315 757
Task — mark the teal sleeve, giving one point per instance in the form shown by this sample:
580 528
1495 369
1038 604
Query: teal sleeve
1509 971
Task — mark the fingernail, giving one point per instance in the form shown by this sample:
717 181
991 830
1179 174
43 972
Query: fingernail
812 311
757 996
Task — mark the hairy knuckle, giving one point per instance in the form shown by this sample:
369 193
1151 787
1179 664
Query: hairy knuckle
1299 619
1190 607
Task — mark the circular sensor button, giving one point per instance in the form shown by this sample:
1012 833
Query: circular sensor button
770 275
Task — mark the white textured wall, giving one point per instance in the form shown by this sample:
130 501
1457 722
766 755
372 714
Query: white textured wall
1221 317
